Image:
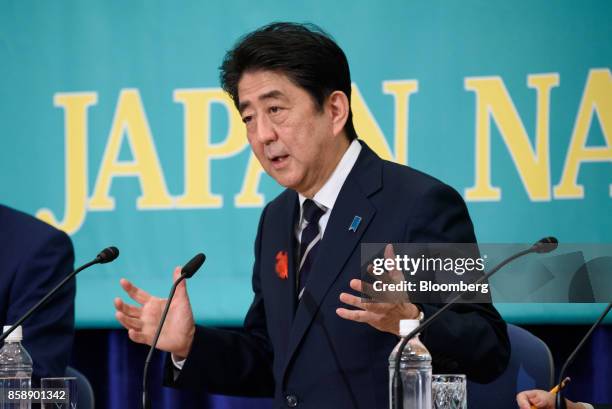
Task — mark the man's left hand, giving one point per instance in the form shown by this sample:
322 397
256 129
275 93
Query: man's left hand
384 316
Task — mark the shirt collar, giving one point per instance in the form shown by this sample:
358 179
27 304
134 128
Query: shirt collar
327 195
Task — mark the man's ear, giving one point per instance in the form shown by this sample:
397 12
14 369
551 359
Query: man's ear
338 105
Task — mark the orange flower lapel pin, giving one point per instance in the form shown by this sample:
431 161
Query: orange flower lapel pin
282 265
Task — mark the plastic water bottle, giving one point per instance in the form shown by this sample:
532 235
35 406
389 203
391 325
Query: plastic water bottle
415 371
15 370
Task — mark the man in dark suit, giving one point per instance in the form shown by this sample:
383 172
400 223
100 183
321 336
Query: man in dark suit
34 257
301 342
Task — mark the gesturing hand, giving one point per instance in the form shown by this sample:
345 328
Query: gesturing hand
384 316
141 321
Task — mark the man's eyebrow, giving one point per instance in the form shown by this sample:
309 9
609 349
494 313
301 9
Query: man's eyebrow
272 94
268 95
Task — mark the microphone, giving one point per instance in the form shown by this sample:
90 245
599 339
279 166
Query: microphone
105 256
559 401
188 270
193 265
544 245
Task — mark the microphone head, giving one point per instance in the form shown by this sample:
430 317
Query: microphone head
545 245
193 265
107 255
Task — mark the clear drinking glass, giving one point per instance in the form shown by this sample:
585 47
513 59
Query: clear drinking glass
67 383
448 391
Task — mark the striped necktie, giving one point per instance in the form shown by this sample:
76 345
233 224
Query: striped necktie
309 243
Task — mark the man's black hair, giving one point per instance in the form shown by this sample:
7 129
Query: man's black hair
303 52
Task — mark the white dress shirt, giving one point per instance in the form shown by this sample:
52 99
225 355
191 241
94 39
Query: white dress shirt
326 197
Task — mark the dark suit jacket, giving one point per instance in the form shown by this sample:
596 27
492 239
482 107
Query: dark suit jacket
34 258
304 351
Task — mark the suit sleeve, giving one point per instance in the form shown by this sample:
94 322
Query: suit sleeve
468 338
231 362
49 332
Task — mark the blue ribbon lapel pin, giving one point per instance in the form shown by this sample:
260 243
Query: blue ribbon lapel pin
355 223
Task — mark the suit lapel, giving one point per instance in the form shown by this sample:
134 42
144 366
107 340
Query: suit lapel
289 223
338 242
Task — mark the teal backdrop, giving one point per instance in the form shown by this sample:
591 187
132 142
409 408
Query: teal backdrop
113 127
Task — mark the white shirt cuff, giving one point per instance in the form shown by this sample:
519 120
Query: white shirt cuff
178 364
586 405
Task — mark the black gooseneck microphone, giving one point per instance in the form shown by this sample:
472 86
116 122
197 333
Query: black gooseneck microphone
105 256
545 245
559 401
187 271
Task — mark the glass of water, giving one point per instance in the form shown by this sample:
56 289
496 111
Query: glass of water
449 391
68 384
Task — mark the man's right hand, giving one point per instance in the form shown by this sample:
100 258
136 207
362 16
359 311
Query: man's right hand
142 320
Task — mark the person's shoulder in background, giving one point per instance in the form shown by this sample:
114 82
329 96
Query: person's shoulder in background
34 258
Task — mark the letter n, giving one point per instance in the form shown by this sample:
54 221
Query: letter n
493 102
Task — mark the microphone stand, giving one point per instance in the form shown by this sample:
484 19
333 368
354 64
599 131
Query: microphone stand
187 271
146 402
559 401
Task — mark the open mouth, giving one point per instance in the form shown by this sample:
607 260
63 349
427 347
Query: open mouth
279 159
